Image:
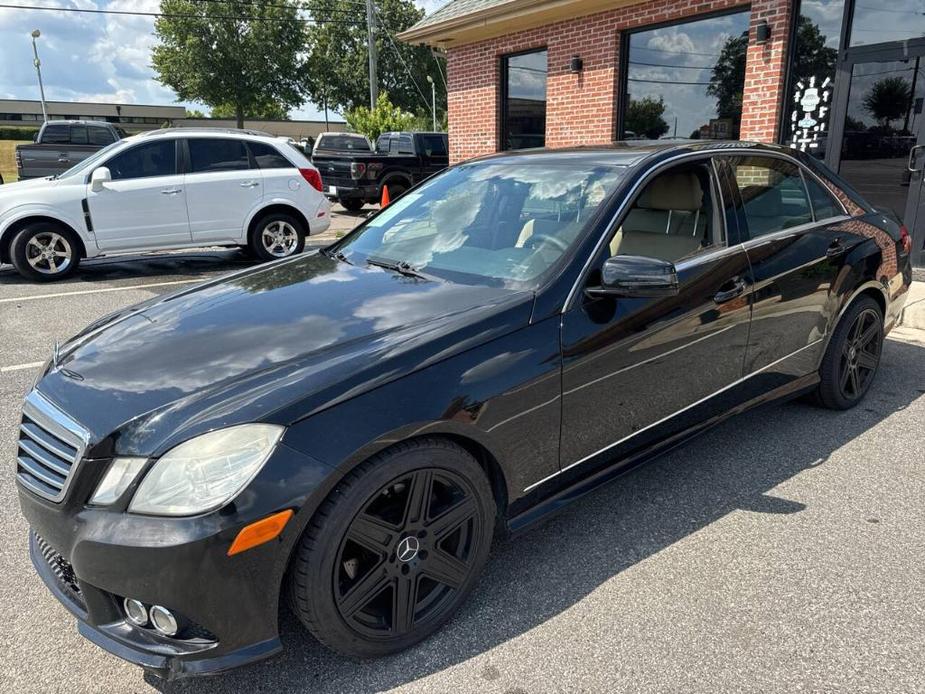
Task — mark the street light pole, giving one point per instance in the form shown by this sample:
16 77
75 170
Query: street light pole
433 100
38 68
373 53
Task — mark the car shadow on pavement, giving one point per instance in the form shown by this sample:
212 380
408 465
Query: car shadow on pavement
530 579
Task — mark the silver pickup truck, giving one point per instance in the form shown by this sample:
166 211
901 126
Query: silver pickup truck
61 144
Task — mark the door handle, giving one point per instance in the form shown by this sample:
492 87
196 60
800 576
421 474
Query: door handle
736 288
911 163
835 249
250 184
171 191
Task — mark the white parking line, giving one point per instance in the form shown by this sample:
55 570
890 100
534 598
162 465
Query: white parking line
8 300
21 367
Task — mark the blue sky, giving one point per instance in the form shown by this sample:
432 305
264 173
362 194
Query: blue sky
90 57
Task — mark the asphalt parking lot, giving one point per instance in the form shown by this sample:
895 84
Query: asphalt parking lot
782 551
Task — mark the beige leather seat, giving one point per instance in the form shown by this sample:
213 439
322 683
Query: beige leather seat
667 221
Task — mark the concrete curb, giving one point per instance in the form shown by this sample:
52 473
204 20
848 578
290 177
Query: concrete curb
913 315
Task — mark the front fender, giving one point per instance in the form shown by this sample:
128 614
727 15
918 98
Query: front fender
26 210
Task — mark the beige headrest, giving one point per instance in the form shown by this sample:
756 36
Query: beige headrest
672 191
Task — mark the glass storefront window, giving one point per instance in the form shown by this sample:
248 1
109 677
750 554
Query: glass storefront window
812 75
686 80
523 107
875 21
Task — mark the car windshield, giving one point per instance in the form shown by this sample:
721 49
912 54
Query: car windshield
344 142
90 162
502 223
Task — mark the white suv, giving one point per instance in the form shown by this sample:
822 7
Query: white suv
171 188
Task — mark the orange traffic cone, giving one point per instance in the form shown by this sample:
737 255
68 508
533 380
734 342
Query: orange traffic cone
385 198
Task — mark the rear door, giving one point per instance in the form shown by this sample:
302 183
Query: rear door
223 187
144 205
795 255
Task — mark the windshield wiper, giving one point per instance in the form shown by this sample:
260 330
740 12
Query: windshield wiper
339 255
403 267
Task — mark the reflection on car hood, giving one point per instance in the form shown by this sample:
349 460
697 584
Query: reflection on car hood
310 330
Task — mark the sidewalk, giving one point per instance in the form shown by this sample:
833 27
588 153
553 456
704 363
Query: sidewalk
913 315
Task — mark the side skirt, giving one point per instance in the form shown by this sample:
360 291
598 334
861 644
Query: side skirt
551 505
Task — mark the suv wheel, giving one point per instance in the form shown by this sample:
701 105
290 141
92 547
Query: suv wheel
352 204
395 549
45 252
852 357
277 235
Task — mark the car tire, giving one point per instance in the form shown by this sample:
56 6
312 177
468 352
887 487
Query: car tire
352 204
369 547
396 189
45 252
852 357
277 235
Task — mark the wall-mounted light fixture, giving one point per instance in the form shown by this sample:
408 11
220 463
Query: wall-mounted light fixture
576 64
762 32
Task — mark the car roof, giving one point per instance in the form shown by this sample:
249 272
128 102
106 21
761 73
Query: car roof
73 121
208 132
626 153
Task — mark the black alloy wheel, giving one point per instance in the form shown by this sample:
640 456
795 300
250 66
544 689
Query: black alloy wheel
395 550
852 357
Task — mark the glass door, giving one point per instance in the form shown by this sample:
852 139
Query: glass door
882 150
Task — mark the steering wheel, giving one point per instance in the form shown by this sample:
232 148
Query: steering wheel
550 239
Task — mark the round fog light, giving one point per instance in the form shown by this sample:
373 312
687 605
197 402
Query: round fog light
164 621
136 612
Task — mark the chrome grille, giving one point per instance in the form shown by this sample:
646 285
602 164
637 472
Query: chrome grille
51 445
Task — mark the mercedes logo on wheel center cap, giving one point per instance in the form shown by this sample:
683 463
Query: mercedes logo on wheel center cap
408 548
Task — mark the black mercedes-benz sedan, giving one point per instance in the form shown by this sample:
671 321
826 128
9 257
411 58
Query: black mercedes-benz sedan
345 432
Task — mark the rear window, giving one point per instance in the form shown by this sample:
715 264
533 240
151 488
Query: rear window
56 135
354 143
100 136
268 157
434 145
210 154
79 135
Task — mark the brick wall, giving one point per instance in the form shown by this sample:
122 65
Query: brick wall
582 108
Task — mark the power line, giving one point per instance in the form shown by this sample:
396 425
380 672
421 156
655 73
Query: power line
135 13
680 67
388 34
667 50
701 84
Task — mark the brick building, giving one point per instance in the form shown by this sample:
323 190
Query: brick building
837 78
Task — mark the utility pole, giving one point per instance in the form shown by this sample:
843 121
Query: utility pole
433 100
38 68
373 54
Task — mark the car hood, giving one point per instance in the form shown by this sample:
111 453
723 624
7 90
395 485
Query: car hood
279 341
10 190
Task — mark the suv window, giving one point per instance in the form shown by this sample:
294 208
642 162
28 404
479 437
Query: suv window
405 146
79 135
824 205
56 135
268 157
773 197
434 145
144 161
209 154
100 136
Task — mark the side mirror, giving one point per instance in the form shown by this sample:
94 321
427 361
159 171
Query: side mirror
636 276
99 179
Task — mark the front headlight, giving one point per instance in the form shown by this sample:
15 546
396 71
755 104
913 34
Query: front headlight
206 472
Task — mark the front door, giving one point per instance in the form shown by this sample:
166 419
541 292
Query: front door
144 206
638 370
882 150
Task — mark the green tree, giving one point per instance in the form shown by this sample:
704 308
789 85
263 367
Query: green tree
888 99
384 118
195 113
645 117
336 73
267 111
231 52
728 79
813 58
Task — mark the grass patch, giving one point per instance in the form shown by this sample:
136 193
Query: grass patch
7 160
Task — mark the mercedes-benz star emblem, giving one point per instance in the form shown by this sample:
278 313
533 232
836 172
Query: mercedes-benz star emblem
408 548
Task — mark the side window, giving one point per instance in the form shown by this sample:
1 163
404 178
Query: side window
382 144
674 216
404 145
268 157
100 136
434 145
144 161
393 146
824 205
772 193
79 135
210 154
56 135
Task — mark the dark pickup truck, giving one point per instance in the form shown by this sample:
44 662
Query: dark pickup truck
401 160
61 144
